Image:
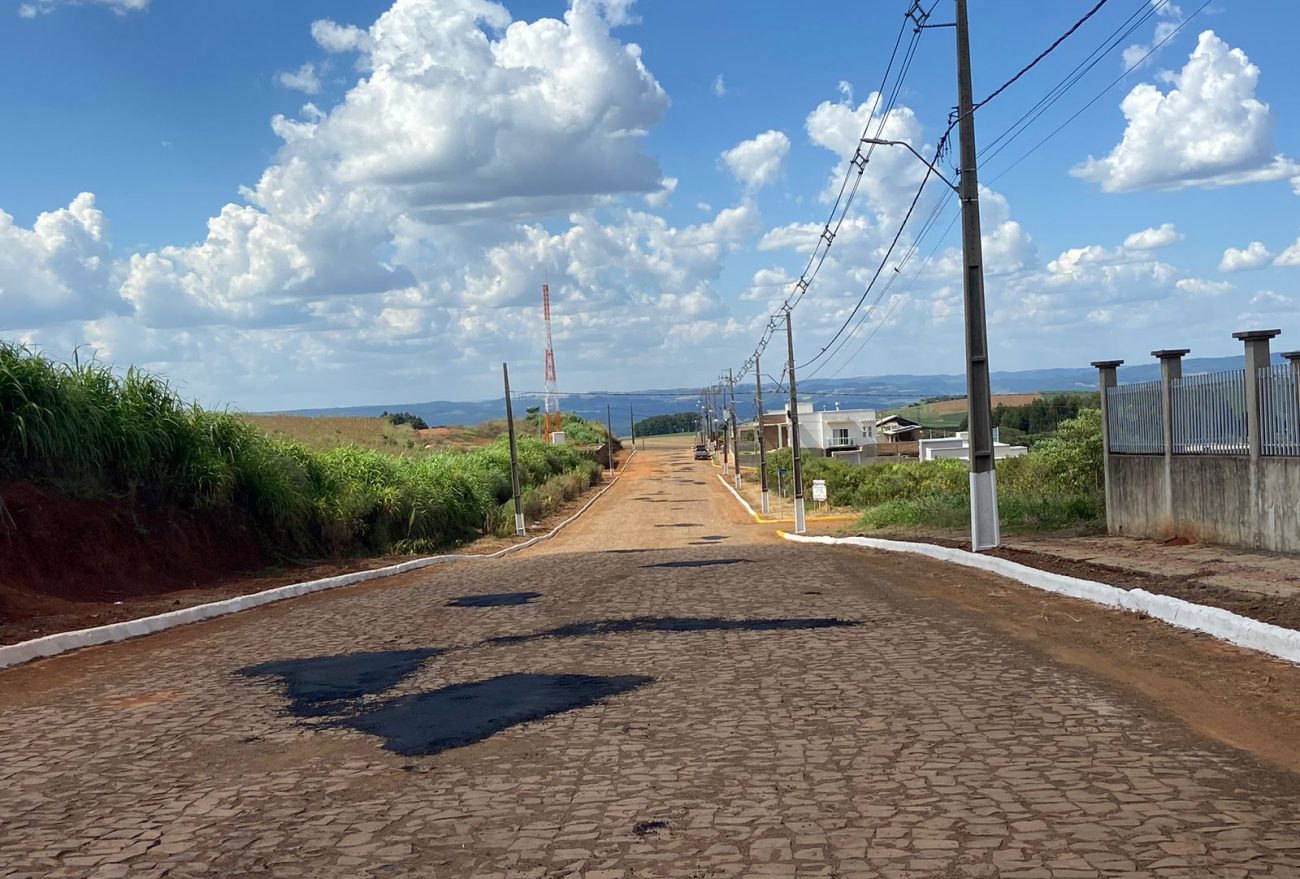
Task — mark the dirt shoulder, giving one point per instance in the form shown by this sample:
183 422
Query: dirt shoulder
197 578
1259 585
1239 697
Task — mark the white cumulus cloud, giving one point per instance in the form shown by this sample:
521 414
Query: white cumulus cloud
59 269
1153 238
719 86
1208 130
45 7
1202 287
1290 256
304 79
758 161
1239 259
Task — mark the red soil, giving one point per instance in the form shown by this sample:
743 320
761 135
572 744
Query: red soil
59 554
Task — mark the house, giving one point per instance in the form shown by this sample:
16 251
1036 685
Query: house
959 447
897 429
821 432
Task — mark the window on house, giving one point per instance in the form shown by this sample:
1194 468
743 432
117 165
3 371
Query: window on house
840 436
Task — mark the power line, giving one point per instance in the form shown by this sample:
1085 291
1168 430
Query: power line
1151 8
853 171
1041 55
1102 93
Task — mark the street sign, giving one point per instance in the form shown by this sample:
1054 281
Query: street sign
819 490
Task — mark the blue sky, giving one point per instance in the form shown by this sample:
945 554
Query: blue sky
307 204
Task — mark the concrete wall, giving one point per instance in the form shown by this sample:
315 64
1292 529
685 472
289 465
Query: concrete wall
1215 498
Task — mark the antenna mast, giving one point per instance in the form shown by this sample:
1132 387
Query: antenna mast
552 420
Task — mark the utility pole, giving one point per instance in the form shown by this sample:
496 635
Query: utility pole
984 529
735 427
799 527
514 455
726 442
609 427
762 451
631 425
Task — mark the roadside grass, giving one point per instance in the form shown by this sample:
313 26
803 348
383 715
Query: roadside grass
82 428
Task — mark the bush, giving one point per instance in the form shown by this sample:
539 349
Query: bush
1058 484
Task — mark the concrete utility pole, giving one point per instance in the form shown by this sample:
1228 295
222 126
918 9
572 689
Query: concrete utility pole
609 426
514 455
735 427
725 442
631 424
984 529
762 449
799 527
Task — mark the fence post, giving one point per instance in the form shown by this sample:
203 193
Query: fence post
1171 367
1257 357
1107 378
1293 357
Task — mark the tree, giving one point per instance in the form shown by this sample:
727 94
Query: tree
416 422
661 425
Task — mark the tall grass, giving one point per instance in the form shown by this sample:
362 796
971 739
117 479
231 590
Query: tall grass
86 429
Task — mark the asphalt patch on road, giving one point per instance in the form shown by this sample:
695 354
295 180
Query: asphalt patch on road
642 829
495 599
700 563
682 525
325 684
674 624
422 724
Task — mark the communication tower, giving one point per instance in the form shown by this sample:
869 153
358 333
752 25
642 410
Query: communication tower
552 421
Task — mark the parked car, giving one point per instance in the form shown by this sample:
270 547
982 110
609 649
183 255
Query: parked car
702 453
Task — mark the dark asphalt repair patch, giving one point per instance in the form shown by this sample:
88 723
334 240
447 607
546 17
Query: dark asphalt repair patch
701 563
462 714
674 624
682 525
642 829
318 686
495 599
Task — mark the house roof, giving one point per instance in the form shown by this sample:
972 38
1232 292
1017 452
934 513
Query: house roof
898 421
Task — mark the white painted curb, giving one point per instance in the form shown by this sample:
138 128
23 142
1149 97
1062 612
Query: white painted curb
744 503
1222 624
62 642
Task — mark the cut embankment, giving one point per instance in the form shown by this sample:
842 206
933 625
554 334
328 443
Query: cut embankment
58 552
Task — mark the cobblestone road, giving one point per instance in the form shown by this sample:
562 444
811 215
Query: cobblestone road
917 742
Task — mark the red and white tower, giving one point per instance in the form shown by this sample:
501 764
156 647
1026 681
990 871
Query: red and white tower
552 421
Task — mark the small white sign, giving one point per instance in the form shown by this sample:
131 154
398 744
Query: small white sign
819 490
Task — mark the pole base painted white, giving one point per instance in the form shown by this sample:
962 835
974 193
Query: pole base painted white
767 503
985 532
738 479
800 526
726 467
519 524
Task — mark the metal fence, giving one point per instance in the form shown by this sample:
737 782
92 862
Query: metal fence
1279 410
1133 424
1210 413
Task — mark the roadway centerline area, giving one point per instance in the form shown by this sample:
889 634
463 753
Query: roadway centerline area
664 689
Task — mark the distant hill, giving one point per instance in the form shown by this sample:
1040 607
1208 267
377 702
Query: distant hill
865 392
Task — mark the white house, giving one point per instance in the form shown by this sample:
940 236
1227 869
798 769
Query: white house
959 447
824 431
